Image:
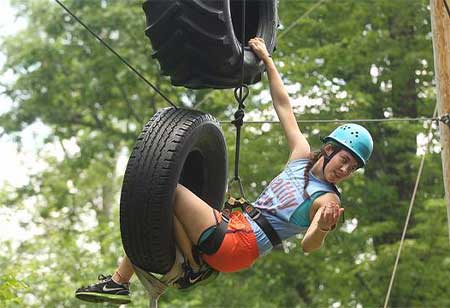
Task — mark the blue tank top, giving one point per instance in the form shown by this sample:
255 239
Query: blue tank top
283 203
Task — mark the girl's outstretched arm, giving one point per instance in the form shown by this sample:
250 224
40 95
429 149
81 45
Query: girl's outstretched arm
325 219
297 142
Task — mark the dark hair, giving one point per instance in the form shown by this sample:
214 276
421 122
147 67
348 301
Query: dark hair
313 158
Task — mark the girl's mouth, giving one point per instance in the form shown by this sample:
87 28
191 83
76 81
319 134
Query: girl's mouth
337 175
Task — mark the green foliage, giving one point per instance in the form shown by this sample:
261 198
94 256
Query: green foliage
356 59
10 286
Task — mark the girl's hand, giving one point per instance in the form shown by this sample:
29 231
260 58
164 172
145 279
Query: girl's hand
329 216
259 48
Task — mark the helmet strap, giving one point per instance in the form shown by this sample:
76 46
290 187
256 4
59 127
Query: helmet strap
327 158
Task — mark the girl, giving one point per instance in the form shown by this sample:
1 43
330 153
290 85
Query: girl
301 199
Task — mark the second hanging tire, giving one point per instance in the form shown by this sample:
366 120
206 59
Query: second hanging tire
198 42
176 146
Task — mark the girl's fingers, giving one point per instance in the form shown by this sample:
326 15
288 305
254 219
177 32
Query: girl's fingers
334 214
334 211
338 214
324 216
330 215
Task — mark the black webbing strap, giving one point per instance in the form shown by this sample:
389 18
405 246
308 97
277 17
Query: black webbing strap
262 222
213 242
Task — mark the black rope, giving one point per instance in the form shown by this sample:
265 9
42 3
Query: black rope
115 53
240 94
447 7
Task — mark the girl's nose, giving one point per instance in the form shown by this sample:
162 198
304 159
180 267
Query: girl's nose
345 168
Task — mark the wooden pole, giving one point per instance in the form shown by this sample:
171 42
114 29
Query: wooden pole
440 26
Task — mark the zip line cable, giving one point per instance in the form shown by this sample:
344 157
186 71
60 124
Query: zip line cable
116 54
445 119
419 175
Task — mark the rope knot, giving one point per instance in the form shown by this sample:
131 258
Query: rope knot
239 117
240 94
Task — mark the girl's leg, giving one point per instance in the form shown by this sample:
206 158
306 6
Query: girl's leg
184 243
124 272
192 217
194 214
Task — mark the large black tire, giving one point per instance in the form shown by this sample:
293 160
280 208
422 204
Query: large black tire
175 146
198 42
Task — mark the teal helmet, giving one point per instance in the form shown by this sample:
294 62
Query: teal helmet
354 138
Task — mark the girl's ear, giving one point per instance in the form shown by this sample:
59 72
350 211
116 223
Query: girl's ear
328 148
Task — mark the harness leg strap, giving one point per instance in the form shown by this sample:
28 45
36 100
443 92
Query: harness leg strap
212 243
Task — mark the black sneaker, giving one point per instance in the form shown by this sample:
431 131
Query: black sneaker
106 290
190 278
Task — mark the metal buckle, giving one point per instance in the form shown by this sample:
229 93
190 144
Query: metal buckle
253 212
225 218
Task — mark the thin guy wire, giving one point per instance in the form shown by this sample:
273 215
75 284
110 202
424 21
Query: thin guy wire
292 25
115 53
447 7
419 175
344 121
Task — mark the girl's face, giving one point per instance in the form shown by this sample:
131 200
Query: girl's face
340 167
